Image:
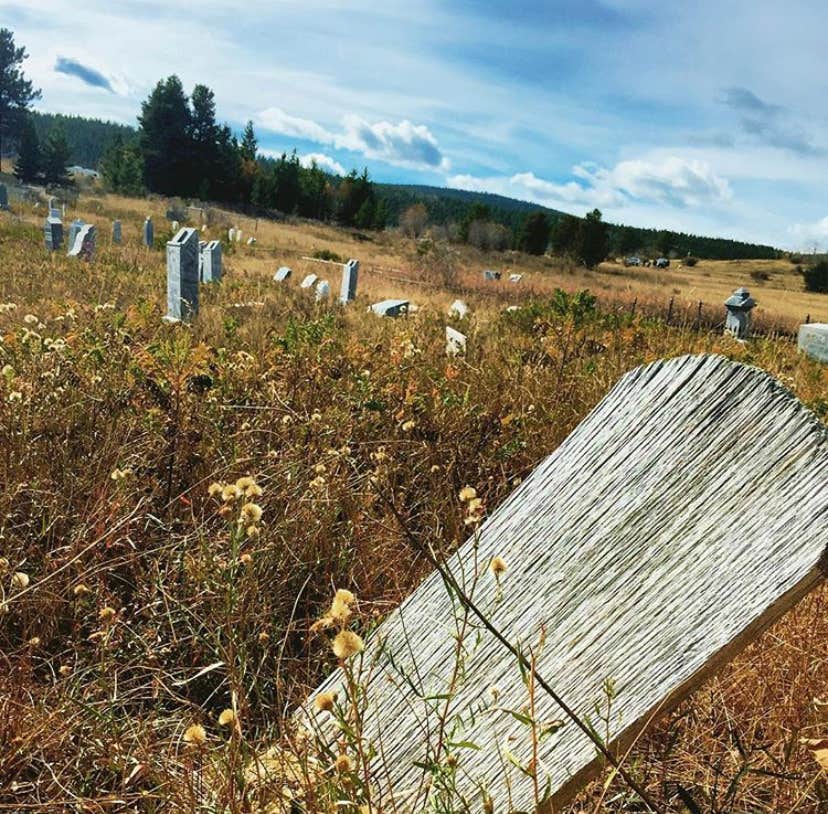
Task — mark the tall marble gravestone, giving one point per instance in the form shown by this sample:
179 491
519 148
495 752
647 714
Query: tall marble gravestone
210 261
813 340
182 276
350 273
684 515
85 241
117 232
148 233
53 233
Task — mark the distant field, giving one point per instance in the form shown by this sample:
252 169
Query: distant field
391 266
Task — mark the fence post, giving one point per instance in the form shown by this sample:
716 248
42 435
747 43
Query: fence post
632 310
807 318
670 310
699 316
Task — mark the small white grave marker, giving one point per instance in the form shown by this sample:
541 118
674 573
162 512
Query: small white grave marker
282 274
459 309
308 281
455 342
390 308
323 290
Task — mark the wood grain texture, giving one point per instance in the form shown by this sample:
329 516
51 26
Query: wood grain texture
686 513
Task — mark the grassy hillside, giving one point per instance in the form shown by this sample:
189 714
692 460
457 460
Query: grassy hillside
138 611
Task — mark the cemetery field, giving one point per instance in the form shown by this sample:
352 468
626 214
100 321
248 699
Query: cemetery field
157 630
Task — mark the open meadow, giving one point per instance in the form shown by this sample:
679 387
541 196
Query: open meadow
139 606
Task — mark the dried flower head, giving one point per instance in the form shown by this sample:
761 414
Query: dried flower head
264 637
4 565
498 567
324 702
254 490
195 735
340 612
215 489
344 595
81 590
65 670
467 493
227 718
106 615
343 764
250 513
347 644
20 580
230 493
244 483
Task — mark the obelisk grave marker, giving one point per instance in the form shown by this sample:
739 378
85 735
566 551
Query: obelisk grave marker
686 513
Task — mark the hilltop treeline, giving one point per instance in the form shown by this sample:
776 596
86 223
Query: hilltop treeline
180 148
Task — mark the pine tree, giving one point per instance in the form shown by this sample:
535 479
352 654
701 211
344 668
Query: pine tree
16 92
593 239
164 138
564 235
27 167
55 159
249 145
204 132
534 233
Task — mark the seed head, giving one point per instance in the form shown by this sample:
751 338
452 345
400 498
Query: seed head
467 493
215 489
106 615
343 764
347 644
497 566
227 718
20 580
324 702
81 590
195 735
250 513
230 493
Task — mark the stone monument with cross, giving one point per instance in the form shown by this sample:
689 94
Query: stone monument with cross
182 276
618 559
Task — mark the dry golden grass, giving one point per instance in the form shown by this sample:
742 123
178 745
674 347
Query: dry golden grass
148 610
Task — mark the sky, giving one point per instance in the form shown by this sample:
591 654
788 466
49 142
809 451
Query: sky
706 116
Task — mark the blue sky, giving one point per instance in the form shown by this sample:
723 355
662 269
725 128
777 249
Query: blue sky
706 116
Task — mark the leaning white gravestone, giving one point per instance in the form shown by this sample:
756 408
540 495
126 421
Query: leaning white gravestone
685 514
85 240
282 274
455 342
323 290
813 340
390 308
308 281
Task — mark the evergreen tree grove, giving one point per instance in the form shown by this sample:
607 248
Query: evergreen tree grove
29 159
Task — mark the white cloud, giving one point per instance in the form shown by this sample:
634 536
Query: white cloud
671 181
275 119
405 143
324 162
807 235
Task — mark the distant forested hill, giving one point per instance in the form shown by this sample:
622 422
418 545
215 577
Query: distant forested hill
87 138
446 205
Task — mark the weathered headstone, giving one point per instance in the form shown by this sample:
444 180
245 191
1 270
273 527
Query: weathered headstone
390 308
455 342
515 278
813 340
210 261
84 245
238 235
350 273
282 274
74 227
175 226
231 235
148 233
459 309
323 290
53 233
116 232
684 515
739 305
54 212
182 276
251 241
4 197
488 274
308 281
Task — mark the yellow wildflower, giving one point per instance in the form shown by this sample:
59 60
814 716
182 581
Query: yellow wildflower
347 644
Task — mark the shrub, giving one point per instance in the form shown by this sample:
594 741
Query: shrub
816 277
326 254
760 276
796 259
690 261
